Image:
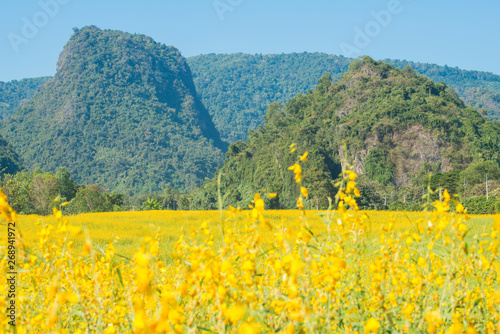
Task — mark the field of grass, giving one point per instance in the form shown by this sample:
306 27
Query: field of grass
255 271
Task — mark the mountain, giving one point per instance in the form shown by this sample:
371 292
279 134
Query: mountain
397 126
10 163
237 88
121 111
480 90
14 94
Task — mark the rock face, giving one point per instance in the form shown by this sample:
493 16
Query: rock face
122 111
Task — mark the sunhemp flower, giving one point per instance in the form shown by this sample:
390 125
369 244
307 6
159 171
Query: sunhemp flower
304 192
372 326
304 157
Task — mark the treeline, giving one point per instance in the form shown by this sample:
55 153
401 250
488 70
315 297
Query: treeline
467 186
37 192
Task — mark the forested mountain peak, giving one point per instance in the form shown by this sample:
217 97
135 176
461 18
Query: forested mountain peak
237 88
122 110
397 126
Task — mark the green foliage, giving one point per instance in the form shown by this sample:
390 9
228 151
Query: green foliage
151 204
10 163
477 89
93 198
447 180
45 188
395 123
18 188
476 173
482 206
38 192
237 88
379 167
14 94
67 186
371 194
121 111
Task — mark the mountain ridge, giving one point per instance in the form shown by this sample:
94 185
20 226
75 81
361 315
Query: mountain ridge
121 111
397 126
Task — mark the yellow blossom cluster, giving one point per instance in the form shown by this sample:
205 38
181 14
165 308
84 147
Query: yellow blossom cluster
437 275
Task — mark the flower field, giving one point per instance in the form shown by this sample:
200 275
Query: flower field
257 271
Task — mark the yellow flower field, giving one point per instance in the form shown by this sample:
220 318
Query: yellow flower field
256 271
127 230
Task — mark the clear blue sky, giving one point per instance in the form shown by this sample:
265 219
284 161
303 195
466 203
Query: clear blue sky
454 33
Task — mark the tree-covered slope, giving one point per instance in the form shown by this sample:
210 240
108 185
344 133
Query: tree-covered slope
480 90
10 163
237 88
121 111
14 94
397 126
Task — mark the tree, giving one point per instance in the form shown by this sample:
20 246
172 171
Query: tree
45 189
90 199
67 187
19 193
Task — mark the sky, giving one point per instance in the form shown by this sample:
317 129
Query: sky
444 32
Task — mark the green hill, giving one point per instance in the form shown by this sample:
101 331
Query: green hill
237 88
121 111
14 94
397 125
10 163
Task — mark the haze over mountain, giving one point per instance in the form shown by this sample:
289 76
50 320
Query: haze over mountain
397 125
122 111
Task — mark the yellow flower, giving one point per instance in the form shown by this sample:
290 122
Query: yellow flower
235 313
110 330
86 248
304 192
249 328
300 203
304 157
372 326
462 228
272 195
460 208
446 195
259 202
